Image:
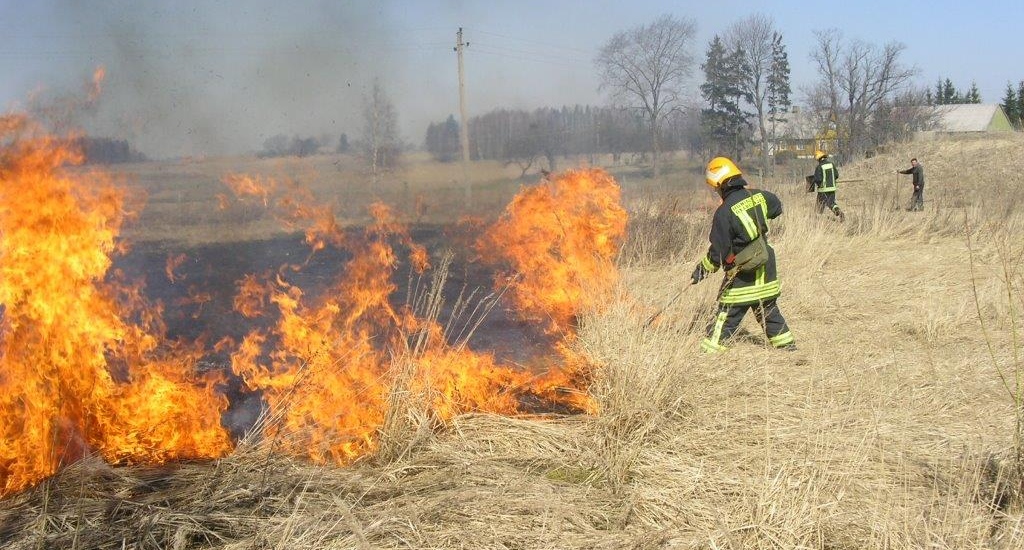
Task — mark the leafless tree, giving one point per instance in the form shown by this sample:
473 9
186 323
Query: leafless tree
379 144
522 152
906 113
753 36
855 79
646 68
826 90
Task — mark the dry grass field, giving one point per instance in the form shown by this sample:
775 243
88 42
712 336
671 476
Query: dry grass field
893 426
182 205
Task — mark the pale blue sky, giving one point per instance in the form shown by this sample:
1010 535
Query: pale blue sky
193 77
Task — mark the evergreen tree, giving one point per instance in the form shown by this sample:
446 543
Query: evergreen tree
929 98
949 93
1020 103
723 121
1010 105
739 74
778 85
713 118
973 95
343 144
938 92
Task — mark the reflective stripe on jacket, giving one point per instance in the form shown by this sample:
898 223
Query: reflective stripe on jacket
742 217
826 175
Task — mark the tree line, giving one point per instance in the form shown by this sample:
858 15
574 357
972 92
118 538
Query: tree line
948 94
378 143
103 150
862 97
731 96
541 136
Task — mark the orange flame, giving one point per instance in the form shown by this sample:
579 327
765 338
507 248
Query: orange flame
557 243
96 85
84 366
174 261
559 240
75 375
325 367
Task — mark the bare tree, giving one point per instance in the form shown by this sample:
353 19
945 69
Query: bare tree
523 152
380 144
646 68
753 36
856 79
827 88
906 113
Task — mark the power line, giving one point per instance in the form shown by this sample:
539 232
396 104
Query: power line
556 63
539 43
197 34
78 52
534 54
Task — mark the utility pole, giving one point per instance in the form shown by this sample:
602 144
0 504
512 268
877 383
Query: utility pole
463 123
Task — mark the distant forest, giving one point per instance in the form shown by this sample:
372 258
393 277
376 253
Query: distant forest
516 135
102 150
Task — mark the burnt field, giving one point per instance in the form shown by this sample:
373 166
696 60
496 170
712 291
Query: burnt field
188 215
199 301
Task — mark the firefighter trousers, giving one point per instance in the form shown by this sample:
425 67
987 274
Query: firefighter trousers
728 318
827 201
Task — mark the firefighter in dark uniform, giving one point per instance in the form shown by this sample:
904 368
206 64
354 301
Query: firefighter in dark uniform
917 200
740 219
824 180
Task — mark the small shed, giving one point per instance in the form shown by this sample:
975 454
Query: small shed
976 117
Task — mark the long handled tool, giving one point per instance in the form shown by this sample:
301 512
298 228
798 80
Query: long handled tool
897 205
666 306
726 281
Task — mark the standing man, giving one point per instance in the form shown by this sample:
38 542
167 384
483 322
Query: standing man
917 201
741 219
824 181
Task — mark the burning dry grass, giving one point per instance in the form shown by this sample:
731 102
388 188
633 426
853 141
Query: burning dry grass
186 207
889 428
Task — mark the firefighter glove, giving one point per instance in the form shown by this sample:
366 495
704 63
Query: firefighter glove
699 273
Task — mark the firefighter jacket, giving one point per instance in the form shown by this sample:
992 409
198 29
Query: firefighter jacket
825 176
742 217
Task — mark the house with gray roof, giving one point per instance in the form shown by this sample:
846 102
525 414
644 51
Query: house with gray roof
977 117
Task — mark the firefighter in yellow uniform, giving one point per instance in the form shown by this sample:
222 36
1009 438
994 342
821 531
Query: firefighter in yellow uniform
740 219
824 180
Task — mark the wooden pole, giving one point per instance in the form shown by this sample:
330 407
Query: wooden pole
464 124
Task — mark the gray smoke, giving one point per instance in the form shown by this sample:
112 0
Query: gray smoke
179 85
219 78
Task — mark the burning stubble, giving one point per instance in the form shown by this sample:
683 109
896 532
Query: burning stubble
87 367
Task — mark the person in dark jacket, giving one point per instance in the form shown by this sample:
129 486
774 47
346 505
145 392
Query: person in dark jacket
741 219
824 180
917 200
